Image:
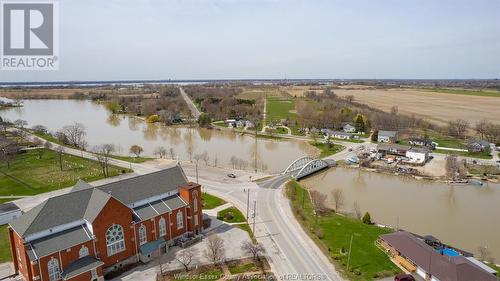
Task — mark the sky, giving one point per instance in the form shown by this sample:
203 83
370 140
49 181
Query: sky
274 39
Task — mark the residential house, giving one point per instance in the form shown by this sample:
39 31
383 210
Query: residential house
387 136
417 155
415 256
476 145
393 149
348 128
341 135
91 231
421 142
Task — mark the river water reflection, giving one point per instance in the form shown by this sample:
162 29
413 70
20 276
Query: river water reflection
124 131
464 216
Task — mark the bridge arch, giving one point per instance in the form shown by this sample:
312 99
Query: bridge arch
297 164
312 167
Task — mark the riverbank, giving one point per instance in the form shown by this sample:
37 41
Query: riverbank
332 233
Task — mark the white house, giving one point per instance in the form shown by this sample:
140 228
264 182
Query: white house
349 129
387 136
417 155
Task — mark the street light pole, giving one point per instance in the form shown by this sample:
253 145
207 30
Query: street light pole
254 215
248 202
350 249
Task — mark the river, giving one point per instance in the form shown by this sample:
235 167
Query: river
463 216
123 131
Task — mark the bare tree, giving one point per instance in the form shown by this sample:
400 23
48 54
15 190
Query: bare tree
205 158
20 123
215 251
319 201
338 198
484 254
8 151
185 257
160 151
136 150
451 167
60 152
103 154
254 249
481 128
39 144
75 134
357 210
458 128
39 129
172 153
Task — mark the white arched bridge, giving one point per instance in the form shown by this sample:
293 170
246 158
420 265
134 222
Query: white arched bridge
305 166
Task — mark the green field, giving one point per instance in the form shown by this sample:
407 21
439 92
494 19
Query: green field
237 216
5 255
29 175
489 93
327 150
278 108
367 260
209 201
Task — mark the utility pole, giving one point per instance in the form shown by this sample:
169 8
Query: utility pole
254 215
248 203
197 171
350 249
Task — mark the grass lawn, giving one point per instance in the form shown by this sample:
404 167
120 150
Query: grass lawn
213 274
5 255
4 200
282 130
242 268
296 131
209 201
47 137
220 124
480 155
327 150
237 216
29 175
366 258
348 140
467 92
132 159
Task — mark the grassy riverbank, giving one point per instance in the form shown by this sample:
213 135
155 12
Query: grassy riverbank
332 233
29 175
325 149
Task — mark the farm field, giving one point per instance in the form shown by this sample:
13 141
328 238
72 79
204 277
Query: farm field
436 107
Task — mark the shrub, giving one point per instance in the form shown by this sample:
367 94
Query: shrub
319 233
153 118
367 218
228 216
336 257
357 271
374 136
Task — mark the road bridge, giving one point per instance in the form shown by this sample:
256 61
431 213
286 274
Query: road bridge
307 165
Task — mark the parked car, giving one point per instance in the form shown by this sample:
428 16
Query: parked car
404 277
233 176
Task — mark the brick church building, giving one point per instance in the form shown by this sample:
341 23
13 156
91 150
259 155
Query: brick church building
90 231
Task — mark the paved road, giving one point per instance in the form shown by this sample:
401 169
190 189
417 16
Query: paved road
190 104
291 252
